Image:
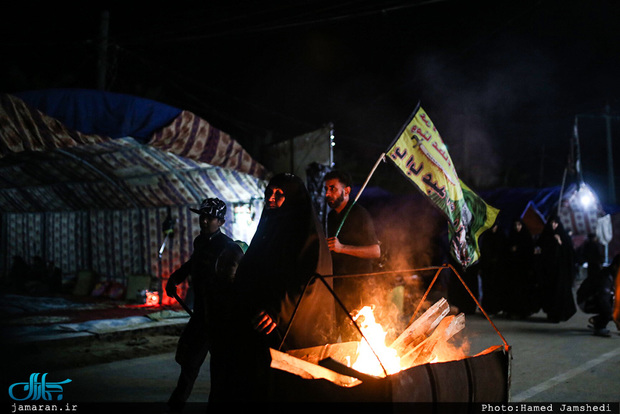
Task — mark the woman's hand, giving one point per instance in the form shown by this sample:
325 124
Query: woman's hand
263 323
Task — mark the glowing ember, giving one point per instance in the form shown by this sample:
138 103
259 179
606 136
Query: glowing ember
367 361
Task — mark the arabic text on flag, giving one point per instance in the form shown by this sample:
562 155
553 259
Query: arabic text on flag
421 155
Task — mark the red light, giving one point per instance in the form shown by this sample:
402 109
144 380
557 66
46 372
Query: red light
152 298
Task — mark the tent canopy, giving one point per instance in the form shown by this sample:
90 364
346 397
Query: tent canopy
70 150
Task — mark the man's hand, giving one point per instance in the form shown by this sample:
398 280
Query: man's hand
263 323
372 251
334 244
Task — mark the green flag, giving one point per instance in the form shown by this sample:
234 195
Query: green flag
421 155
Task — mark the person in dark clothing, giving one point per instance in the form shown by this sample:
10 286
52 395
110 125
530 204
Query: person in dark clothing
521 284
592 255
287 250
279 302
596 295
557 271
354 248
493 267
222 303
210 270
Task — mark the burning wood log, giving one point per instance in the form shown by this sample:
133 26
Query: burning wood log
421 328
422 353
341 352
336 366
458 378
308 370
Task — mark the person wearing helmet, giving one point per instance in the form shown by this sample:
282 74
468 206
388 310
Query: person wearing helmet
210 271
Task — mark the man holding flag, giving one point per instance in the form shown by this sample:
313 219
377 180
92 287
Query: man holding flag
421 156
352 240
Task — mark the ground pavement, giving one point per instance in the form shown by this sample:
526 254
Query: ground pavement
551 363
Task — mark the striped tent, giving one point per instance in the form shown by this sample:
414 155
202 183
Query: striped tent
87 179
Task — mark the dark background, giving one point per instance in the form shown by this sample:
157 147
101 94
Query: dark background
502 81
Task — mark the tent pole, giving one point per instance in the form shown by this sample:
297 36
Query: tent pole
561 192
100 173
179 176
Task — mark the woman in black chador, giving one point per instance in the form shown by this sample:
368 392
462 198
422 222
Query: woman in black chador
521 279
557 271
493 269
288 249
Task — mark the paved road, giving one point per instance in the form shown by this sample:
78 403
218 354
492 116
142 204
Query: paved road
556 362
560 362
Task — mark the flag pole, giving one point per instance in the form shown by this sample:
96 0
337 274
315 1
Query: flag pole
381 158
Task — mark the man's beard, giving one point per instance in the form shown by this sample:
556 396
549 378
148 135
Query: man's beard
337 202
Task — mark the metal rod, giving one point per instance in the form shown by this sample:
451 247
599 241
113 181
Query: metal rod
183 304
163 246
480 306
439 270
384 273
425 295
352 320
290 322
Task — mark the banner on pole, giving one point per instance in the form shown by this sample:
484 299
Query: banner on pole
421 155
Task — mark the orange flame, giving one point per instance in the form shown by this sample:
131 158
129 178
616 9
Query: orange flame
368 356
367 361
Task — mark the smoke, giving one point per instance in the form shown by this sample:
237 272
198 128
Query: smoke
409 229
486 105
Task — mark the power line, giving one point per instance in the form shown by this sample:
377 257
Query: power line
268 20
227 95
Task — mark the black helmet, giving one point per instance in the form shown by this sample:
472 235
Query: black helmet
213 207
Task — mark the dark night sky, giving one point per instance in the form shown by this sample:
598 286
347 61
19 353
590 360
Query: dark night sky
503 81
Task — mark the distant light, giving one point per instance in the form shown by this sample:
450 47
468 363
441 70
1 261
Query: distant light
152 298
245 221
586 196
586 200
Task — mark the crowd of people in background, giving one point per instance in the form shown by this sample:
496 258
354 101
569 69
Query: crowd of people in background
522 274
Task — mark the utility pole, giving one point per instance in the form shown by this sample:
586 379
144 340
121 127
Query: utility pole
102 61
611 188
611 182
541 176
